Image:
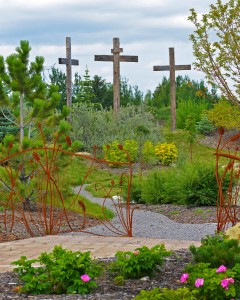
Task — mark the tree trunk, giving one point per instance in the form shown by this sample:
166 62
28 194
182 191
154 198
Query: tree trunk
21 119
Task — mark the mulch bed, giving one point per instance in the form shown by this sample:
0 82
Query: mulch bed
39 224
168 277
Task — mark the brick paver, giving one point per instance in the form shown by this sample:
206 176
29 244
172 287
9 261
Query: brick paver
98 245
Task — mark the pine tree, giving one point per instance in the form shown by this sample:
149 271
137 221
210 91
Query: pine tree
26 100
6 124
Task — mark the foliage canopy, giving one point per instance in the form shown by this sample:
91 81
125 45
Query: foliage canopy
216 46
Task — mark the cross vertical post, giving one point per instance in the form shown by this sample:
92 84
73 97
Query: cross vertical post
69 73
116 73
172 68
116 58
172 88
68 61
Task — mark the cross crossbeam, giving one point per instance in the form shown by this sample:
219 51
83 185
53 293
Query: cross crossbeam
116 58
68 61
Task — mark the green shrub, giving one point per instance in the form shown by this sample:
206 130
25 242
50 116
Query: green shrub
200 185
166 153
60 272
205 126
152 187
164 186
190 183
187 107
213 283
101 127
217 252
168 294
135 191
141 262
119 280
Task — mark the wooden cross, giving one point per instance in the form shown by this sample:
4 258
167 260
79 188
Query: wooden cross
172 68
68 61
116 59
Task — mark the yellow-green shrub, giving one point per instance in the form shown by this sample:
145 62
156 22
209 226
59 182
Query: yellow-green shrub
166 153
131 146
114 152
148 152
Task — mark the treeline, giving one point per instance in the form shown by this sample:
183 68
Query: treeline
97 90
192 97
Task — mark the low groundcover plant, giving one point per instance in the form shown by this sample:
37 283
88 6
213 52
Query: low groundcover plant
60 272
141 262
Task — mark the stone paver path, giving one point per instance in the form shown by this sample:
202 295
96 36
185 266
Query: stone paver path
98 245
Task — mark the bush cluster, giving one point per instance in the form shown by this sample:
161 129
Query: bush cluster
217 250
142 262
93 127
193 184
213 275
61 272
164 153
115 153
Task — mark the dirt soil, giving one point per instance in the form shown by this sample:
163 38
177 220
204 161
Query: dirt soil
168 277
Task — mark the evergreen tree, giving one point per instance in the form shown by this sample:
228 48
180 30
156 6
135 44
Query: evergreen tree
129 95
103 92
25 100
6 124
86 93
186 89
58 78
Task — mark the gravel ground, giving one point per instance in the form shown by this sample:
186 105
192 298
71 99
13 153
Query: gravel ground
149 221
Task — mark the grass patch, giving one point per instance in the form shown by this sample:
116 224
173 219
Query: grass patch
93 210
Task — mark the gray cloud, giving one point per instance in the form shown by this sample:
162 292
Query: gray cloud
145 28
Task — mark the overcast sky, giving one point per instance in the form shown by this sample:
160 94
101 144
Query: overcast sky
146 28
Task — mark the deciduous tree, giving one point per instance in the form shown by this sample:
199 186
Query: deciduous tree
216 41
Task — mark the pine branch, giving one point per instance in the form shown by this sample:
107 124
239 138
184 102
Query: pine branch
6 117
5 185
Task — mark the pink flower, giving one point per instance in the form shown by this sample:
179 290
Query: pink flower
85 278
136 252
199 282
225 282
231 280
184 277
221 269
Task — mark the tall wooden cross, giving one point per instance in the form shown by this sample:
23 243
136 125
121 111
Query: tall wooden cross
116 59
172 68
68 61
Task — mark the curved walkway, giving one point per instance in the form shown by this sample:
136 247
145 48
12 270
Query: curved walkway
149 229
153 225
